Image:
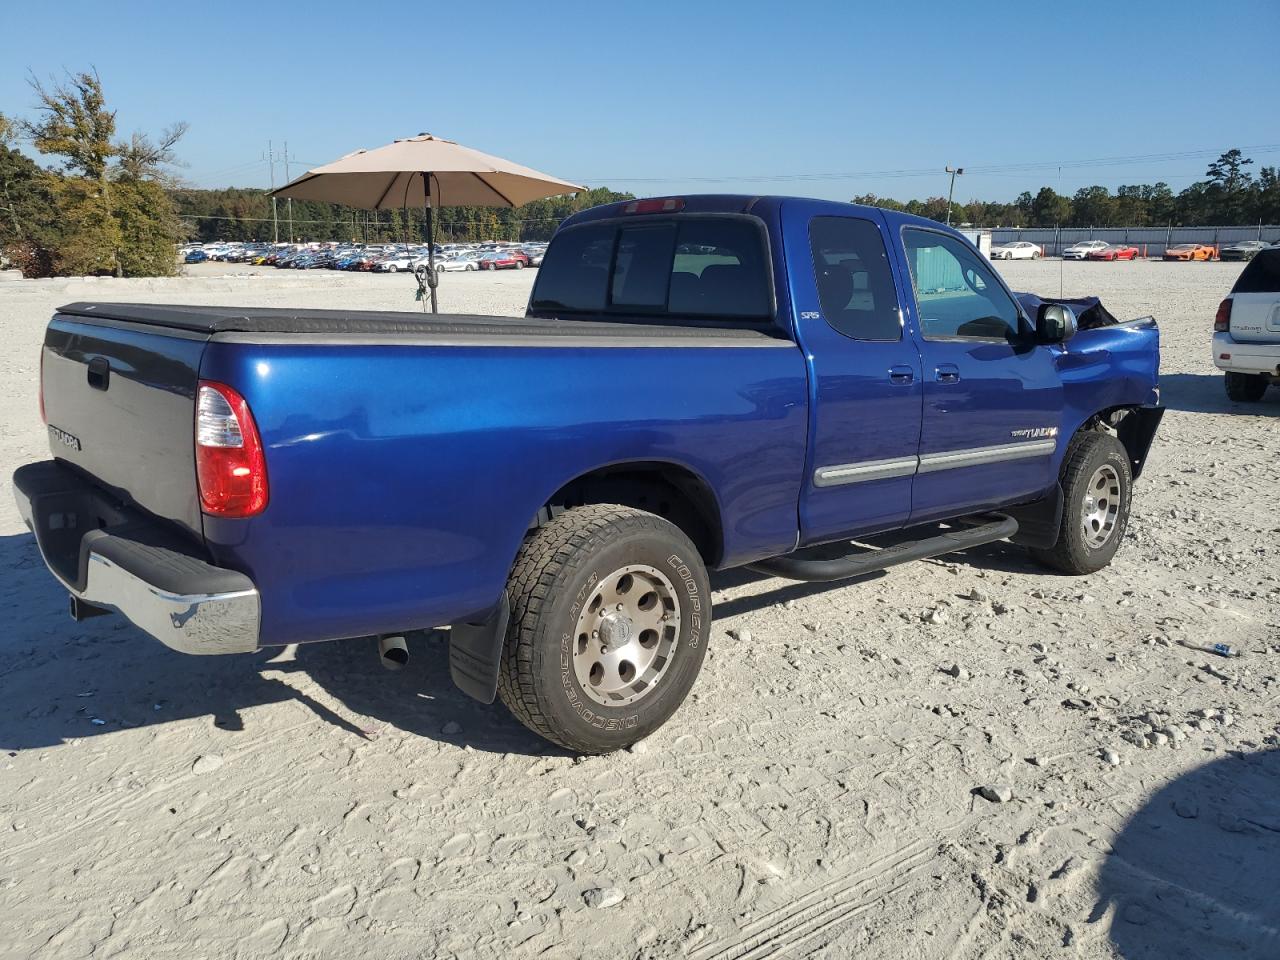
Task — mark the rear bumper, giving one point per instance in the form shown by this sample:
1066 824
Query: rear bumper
115 558
1244 357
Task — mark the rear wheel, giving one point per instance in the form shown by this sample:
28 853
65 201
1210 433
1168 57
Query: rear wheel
610 612
519 264
1246 387
1096 480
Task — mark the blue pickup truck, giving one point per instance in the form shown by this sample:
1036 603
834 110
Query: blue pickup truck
813 389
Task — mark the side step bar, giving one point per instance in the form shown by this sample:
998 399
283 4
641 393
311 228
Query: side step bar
794 566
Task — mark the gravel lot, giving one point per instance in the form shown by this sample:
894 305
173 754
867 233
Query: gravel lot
818 795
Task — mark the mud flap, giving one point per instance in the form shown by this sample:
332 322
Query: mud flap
1136 431
475 652
1039 522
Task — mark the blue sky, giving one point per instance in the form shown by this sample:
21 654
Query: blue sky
825 99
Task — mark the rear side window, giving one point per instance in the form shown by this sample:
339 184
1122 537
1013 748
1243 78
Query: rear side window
1262 275
855 282
697 267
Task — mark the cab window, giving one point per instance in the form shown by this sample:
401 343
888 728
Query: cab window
854 279
957 294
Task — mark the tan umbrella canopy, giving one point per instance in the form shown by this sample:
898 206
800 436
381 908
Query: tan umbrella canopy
425 170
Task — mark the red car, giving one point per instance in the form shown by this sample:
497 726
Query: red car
1113 251
501 259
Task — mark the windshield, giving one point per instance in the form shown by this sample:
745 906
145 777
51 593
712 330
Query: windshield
688 266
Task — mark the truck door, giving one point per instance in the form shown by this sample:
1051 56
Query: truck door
992 395
864 372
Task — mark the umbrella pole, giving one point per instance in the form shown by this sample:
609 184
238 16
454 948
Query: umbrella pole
432 277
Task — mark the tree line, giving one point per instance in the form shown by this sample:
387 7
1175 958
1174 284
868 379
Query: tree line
1229 195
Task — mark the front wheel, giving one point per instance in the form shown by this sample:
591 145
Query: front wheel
1097 482
519 264
610 615
1246 387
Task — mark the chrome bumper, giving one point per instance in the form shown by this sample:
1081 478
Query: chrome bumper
135 567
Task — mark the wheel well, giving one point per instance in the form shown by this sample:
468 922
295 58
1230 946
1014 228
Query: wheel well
665 489
1135 427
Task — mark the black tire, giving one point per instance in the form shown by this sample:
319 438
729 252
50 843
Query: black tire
555 574
1089 453
1246 387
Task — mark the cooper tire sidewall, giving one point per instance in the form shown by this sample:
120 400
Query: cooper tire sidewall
572 709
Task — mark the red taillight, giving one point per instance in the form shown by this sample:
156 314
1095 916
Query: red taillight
661 205
1222 322
231 468
44 417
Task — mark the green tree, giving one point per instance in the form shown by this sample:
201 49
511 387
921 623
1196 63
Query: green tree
1049 209
1092 207
1228 172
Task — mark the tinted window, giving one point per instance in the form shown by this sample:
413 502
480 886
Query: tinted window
1262 275
957 295
855 282
642 267
700 267
575 274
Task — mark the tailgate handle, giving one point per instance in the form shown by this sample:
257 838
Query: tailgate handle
99 373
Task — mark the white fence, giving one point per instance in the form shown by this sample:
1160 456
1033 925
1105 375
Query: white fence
1054 240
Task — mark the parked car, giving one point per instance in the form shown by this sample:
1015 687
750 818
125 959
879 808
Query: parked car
1246 331
396 262
195 256
462 262
1114 251
1189 251
1016 250
1078 251
522 480
503 259
1244 250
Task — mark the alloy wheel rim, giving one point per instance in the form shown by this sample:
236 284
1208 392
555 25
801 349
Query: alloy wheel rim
626 635
1100 513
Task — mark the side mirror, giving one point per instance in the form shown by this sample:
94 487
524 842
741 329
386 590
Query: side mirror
1055 323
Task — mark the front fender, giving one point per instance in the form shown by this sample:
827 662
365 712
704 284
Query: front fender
1108 368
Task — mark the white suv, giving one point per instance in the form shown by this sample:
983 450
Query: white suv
1246 331
1078 251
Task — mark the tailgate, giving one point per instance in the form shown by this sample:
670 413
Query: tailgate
1255 300
119 399
1255 317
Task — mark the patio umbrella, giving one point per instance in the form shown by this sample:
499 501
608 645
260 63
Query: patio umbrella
424 170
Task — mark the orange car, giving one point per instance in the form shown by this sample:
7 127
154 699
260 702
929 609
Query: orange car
1190 251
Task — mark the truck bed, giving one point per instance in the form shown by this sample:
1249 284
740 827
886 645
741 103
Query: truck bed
216 321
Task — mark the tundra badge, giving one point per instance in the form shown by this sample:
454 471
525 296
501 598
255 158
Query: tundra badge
64 438
1034 433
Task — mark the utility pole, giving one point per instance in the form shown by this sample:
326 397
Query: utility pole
954 171
286 180
275 217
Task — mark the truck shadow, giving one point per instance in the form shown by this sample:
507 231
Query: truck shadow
1204 393
62 680
1194 872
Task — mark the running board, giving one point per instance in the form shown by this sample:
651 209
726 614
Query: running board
795 567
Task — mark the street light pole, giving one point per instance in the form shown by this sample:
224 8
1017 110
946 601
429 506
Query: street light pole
950 193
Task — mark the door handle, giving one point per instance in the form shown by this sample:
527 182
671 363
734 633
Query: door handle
99 373
946 373
901 374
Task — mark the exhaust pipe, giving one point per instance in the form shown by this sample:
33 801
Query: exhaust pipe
393 652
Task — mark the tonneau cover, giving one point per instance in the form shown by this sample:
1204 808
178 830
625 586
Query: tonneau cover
273 320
